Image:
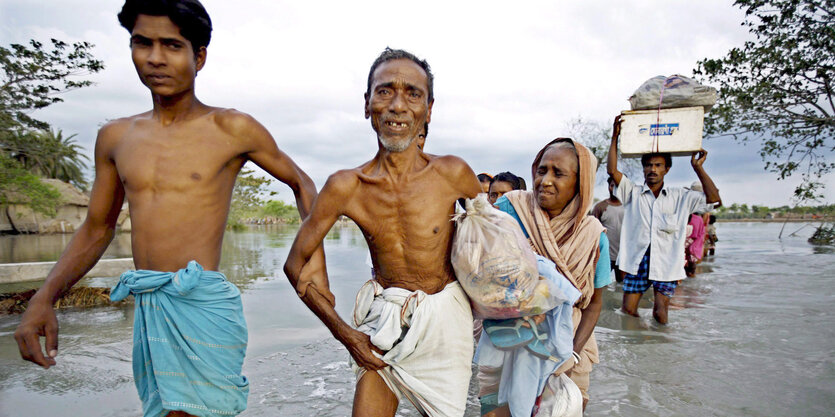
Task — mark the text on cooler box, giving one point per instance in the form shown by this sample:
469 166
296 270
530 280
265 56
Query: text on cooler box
663 129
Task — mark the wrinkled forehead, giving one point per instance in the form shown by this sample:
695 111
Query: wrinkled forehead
560 156
400 72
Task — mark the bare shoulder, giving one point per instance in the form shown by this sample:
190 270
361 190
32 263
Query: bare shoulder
457 173
112 132
342 183
450 166
234 122
248 133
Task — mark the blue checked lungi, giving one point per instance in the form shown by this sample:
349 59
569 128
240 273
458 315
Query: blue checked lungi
641 282
189 341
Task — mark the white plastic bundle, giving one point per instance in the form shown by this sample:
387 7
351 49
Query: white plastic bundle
561 398
496 266
672 92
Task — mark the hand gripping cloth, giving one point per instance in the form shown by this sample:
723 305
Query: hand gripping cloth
428 340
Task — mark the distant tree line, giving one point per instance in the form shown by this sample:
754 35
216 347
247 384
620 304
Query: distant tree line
744 211
251 206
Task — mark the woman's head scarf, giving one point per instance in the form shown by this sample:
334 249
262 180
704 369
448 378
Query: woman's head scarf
572 238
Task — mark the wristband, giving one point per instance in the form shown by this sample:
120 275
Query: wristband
576 357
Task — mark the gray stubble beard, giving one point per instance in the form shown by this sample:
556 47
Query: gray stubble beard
395 147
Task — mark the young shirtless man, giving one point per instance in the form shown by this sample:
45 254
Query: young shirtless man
411 330
176 165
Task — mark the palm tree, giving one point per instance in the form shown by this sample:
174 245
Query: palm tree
67 162
49 154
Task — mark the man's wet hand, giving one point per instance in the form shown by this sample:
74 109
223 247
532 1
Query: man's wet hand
38 320
362 350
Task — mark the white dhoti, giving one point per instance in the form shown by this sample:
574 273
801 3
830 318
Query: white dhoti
428 340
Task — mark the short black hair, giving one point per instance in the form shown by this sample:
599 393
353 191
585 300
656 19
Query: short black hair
391 54
514 181
189 15
484 177
712 219
668 159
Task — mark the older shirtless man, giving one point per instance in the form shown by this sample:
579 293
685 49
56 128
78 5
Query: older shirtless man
176 165
411 330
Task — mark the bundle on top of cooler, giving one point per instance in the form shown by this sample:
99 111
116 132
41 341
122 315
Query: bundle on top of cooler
673 92
667 116
496 266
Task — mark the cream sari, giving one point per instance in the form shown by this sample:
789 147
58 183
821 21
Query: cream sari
571 239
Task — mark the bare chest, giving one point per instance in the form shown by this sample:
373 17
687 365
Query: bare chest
416 217
176 160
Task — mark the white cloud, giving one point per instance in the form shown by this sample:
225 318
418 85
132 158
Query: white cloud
508 78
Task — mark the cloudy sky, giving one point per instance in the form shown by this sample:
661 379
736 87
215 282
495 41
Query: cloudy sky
507 79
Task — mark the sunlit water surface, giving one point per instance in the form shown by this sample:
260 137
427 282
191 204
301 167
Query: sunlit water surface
751 335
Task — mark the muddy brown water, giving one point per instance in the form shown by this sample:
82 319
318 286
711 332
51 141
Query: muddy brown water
751 335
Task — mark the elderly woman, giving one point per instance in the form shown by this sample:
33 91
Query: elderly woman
554 218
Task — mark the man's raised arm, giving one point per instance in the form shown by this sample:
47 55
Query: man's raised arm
312 284
711 192
612 162
84 250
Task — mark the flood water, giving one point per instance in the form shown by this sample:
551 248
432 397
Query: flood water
751 335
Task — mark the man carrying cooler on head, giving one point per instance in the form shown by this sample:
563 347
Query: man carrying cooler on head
653 233
410 334
176 165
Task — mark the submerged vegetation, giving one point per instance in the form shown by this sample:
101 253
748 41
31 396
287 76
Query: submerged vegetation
15 303
824 235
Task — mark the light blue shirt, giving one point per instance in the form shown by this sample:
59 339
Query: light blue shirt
660 222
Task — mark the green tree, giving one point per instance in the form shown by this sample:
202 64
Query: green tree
247 197
31 78
281 210
778 88
20 186
49 154
761 212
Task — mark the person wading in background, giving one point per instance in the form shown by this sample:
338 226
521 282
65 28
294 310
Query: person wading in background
653 233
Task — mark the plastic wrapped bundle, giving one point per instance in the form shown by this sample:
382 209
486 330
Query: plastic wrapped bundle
672 92
496 266
561 398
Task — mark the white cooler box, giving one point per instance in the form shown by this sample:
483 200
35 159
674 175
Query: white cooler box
677 131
